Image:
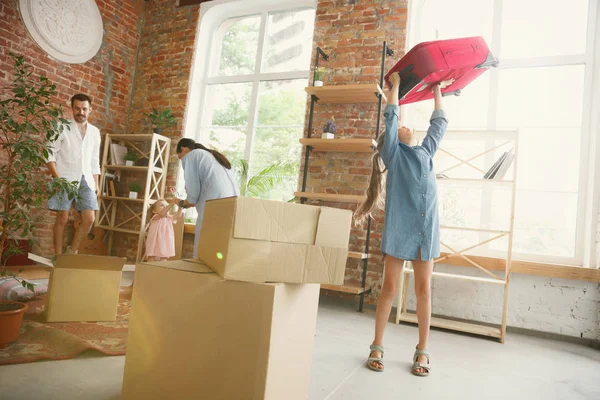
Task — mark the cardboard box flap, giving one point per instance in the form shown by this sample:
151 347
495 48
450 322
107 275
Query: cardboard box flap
275 221
188 265
333 229
81 261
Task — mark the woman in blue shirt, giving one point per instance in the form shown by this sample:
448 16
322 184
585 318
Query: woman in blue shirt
411 225
208 176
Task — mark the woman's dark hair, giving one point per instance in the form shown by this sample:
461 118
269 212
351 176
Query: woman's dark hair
191 144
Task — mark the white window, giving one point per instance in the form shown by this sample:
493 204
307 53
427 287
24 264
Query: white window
253 102
543 86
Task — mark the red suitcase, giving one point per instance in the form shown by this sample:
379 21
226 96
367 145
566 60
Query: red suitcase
463 59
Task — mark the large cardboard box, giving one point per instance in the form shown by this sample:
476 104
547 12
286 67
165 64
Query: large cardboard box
195 335
257 240
84 288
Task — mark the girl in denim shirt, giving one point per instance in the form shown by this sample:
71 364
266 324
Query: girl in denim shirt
411 225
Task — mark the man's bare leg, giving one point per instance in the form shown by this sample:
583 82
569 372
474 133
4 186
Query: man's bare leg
87 220
62 217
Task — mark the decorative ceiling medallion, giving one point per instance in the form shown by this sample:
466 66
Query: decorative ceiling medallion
68 30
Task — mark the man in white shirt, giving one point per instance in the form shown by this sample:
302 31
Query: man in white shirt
76 157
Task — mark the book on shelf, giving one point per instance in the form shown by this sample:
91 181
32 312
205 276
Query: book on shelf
498 170
117 154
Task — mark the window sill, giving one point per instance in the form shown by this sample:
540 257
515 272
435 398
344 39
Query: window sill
530 268
518 267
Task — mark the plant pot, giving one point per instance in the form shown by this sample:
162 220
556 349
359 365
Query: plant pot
327 135
133 195
157 130
11 317
129 163
318 83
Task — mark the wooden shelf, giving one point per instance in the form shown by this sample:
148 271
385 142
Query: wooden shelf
473 182
345 94
121 199
341 145
351 289
340 198
142 137
464 277
459 228
126 168
122 230
358 255
444 323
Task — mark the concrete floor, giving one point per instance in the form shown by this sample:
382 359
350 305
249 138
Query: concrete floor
463 367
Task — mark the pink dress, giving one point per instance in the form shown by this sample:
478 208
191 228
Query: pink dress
161 237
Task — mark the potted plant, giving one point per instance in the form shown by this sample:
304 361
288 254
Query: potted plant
29 123
329 130
130 158
319 76
134 189
161 119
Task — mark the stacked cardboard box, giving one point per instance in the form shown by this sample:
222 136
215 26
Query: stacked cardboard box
243 328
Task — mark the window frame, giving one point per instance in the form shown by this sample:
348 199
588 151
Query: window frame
588 228
212 16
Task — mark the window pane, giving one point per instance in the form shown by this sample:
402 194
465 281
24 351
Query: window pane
226 111
545 223
536 28
227 104
280 124
288 43
541 97
229 141
469 110
549 159
239 44
443 19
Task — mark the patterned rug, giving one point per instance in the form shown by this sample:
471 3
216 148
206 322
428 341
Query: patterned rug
62 340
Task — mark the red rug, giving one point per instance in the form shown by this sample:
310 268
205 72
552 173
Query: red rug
62 340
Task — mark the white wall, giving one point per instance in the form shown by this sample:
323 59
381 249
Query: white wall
561 306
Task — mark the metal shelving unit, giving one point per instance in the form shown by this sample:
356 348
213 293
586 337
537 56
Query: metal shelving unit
343 94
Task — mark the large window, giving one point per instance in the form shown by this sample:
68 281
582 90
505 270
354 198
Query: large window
543 87
254 102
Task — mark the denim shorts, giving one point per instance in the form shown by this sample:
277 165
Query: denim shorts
88 200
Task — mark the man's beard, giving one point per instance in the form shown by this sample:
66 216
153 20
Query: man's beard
80 118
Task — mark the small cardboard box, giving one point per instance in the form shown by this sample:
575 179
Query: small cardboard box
193 334
84 288
255 240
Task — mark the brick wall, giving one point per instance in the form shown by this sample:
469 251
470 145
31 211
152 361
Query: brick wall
162 80
352 34
107 78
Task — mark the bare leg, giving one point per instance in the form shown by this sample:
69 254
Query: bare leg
59 230
423 271
392 271
87 220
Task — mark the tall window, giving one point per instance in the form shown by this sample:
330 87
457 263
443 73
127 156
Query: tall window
542 87
254 99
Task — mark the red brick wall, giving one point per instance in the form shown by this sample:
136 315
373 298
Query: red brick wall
107 78
162 79
352 34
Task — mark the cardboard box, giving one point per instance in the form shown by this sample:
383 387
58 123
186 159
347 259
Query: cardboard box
255 240
84 288
193 335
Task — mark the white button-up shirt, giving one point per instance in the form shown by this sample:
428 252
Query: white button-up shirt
76 156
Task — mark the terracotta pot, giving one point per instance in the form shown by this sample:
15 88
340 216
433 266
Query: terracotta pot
10 321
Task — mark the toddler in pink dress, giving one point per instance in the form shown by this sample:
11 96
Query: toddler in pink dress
160 243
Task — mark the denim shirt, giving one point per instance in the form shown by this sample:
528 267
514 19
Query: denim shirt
411 208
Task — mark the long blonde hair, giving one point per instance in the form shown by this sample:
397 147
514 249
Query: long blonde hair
376 191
